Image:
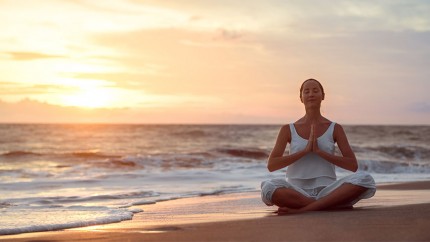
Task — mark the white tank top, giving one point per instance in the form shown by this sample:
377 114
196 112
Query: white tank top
311 171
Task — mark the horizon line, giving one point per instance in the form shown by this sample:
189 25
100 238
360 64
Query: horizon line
189 124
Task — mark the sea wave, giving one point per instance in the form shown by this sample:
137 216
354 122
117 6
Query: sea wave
247 153
19 153
59 218
190 133
78 154
91 155
403 152
84 199
390 167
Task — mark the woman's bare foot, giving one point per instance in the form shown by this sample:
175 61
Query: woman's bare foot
287 211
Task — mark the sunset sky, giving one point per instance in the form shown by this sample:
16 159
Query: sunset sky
223 61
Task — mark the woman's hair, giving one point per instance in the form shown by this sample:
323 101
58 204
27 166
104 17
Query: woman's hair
311 79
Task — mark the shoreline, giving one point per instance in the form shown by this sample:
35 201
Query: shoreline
242 216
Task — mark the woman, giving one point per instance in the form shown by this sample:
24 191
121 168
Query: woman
311 179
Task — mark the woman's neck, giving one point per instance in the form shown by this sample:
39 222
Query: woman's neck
312 116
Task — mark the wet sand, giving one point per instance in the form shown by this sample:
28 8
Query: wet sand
398 212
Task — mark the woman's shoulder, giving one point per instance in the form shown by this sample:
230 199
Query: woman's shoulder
337 125
285 128
338 131
285 131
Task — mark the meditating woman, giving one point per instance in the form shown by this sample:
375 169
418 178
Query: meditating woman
311 182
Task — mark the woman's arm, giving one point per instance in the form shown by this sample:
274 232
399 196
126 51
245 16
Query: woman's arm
347 160
276 159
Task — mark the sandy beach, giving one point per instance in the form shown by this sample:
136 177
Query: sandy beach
398 212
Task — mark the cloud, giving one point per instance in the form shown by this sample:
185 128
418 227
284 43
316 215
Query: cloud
124 80
226 34
14 88
196 18
344 17
134 79
25 56
305 17
178 64
31 111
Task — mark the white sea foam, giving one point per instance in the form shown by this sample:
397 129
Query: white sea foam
30 219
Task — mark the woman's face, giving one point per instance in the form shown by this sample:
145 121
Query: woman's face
312 94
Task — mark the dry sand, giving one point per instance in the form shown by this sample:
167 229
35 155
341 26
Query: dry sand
398 212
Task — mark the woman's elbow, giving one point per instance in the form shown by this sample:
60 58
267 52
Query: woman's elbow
270 166
271 169
354 166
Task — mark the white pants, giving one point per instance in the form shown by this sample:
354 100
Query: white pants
359 178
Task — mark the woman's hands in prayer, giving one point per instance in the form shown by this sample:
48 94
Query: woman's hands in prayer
312 145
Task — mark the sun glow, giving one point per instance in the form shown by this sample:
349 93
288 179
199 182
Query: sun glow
90 94
90 98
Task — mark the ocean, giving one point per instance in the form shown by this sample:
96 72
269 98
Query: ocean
57 176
